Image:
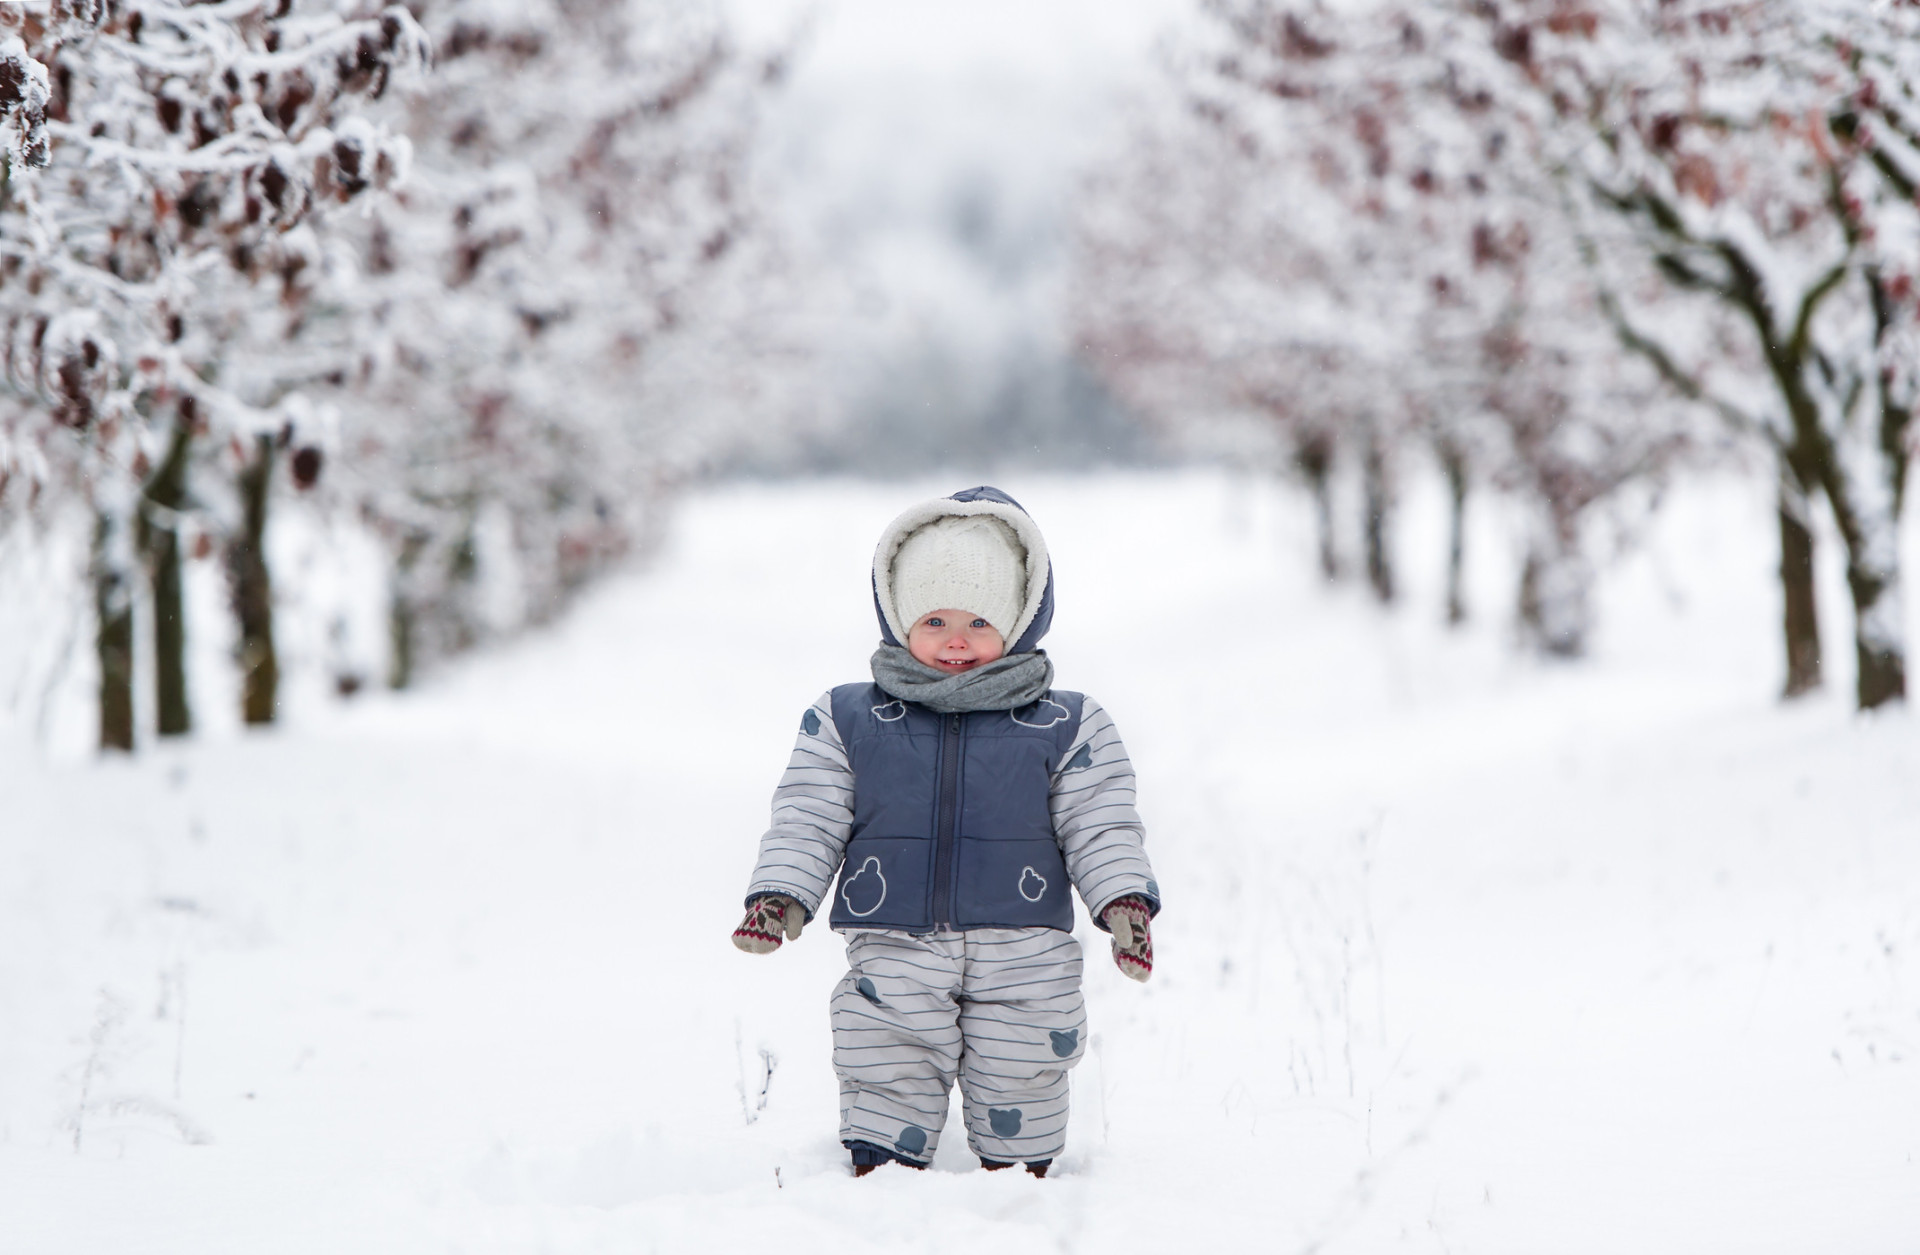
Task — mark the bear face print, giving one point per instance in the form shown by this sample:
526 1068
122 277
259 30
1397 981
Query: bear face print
865 890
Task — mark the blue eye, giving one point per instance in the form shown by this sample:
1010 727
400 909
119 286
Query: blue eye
936 623
980 623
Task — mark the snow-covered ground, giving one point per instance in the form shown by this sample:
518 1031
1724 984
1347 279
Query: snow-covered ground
1461 952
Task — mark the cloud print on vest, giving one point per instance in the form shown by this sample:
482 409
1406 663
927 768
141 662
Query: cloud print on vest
1041 714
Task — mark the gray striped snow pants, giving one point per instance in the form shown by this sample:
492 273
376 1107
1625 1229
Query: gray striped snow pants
999 1008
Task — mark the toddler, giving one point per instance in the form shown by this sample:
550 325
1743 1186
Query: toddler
956 796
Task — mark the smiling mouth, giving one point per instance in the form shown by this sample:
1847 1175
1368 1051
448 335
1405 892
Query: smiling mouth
956 664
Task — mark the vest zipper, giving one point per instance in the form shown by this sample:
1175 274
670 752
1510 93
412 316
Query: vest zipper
944 850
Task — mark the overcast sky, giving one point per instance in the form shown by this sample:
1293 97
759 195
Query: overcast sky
892 100
929 152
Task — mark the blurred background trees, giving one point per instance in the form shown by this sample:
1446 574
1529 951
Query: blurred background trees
167 171
1555 238
194 328
1391 271
580 223
1765 160
461 292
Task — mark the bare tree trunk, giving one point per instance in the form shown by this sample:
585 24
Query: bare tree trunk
160 539
252 587
1877 639
1882 662
1873 570
1454 464
1378 494
403 616
1556 592
400 643
1801 620
1863 484
1313 454
1867 512
113 631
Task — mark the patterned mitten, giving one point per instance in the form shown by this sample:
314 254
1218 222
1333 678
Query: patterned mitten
1132 928
767 918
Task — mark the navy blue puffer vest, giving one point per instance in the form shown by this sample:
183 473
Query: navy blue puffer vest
950 820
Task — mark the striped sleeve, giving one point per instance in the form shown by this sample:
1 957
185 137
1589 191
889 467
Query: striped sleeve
812 814
1095 820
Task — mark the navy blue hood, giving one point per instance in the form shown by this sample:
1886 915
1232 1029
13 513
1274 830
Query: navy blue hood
1037 615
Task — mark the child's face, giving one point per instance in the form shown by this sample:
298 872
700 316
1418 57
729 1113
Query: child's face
953 640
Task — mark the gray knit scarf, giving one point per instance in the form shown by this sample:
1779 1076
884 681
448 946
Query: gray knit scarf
1004 684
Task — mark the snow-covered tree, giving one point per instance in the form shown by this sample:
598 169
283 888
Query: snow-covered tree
1189 304
576 247
1334 227
499 372
1764 156
164 168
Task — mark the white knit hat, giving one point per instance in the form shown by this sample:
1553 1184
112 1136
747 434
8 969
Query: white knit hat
961 562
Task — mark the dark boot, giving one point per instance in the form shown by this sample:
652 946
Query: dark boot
867 1157
1037 1168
